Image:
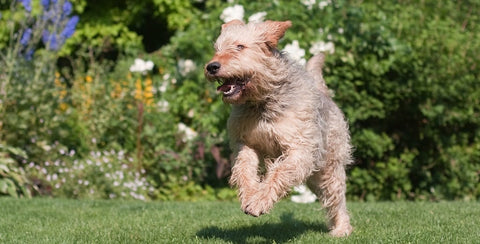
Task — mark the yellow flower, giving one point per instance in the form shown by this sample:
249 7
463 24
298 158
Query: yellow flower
138 89
117 92
88 79
58 82
148 82
63 107
63 94
148 94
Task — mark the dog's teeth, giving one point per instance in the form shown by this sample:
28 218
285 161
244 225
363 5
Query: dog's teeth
229 91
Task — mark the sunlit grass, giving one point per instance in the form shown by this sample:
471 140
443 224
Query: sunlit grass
75 221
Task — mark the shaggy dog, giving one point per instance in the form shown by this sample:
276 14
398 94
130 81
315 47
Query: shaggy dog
284 127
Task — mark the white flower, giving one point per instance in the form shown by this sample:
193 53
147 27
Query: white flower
141 66
340 30
188 133
323 4
231 13
322 47
191 113
308 3
120 175
257 17
295 52
305 195
163 105
186 66
166 77
163 87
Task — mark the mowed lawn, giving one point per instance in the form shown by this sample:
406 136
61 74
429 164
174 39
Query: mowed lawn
86 221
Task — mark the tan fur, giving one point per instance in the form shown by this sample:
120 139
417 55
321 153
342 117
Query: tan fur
284 127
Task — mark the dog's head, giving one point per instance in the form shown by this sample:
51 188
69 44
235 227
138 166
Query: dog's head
243 60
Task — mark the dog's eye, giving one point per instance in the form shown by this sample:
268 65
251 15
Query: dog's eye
240 47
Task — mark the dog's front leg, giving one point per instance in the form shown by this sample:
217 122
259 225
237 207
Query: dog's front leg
245 174
287 171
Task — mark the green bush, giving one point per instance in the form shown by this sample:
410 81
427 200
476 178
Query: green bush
13 181
405 74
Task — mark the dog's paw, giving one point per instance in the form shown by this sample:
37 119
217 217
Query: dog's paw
256 208
341 231
260 203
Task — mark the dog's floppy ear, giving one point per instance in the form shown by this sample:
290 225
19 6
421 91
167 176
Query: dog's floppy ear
274 31
232 22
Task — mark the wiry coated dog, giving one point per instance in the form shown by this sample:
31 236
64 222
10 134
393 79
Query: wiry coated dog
284 127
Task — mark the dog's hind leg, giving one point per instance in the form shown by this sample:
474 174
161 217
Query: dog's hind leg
329 185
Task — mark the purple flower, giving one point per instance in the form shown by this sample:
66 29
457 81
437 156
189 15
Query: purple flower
67 8
27 4
70 27
26 37
50 40
29 54
59 25
45 3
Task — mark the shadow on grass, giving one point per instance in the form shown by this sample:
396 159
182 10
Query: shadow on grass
288 229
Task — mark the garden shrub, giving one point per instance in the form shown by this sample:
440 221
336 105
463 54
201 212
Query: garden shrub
405 74
13 180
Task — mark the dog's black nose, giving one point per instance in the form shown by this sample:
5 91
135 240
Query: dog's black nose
213 67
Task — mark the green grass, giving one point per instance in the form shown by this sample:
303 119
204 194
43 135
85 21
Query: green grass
75 221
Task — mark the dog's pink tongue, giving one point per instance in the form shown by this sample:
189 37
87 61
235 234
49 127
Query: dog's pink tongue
225 88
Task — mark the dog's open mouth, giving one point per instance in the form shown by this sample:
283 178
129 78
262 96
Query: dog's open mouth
231 86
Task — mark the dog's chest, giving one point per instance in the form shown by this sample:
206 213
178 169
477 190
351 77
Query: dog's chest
256 133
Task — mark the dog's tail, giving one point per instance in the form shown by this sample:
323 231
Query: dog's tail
314 67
